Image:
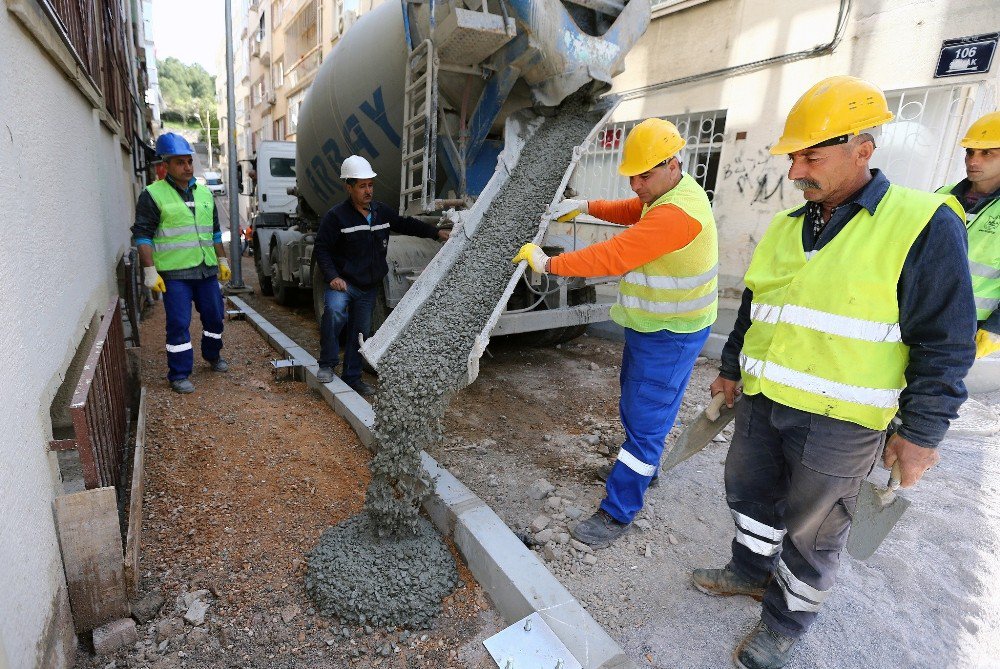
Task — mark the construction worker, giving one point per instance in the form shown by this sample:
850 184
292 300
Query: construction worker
350 251
979 194
180 249
667 301
852 310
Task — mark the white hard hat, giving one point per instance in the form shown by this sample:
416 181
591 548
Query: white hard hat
356 167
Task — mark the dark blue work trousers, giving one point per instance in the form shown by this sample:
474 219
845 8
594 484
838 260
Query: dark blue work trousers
177 301
792 483
656 368
349 309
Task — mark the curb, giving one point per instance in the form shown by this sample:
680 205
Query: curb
516 580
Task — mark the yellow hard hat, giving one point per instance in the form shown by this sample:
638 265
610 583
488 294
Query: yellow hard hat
984 133
832 111
649 144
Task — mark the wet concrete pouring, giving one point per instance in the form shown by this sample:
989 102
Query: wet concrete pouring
389 566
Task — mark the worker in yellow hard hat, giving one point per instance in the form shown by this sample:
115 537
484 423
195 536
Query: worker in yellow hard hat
979 193
667 300
853 310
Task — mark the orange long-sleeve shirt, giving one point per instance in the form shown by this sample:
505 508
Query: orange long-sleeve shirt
662 230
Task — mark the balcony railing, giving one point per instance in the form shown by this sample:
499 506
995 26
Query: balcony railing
304 68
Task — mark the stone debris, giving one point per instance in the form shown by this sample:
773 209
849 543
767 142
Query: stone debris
540 523
196 612
146 607
168 628
109 637
539 489
289 612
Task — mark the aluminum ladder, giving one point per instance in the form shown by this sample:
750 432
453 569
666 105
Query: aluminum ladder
419 146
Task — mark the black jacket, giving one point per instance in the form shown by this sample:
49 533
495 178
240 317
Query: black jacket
352 248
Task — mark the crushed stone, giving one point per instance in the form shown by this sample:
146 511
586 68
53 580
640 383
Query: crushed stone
360 571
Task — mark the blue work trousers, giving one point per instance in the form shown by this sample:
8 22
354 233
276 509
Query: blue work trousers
792 483
177 301
350 309
656 368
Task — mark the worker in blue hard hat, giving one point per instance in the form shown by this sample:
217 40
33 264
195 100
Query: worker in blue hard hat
180 249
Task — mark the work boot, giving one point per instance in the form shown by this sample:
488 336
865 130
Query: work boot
362 388
182 386
325 374
726 582
600 530
763 648
219 365
604 472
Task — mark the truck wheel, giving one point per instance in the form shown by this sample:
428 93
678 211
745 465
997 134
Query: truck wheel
263 281
318 292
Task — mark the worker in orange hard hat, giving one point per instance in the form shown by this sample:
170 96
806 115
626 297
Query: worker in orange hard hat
979 194
668 260
854 310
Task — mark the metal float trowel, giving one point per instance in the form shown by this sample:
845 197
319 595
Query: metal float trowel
697 435
877 512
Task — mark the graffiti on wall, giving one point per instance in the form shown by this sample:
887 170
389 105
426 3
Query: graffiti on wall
759 177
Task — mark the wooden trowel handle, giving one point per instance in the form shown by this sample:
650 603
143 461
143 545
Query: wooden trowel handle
895 476
715 406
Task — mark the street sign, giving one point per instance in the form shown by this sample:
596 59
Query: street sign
966 55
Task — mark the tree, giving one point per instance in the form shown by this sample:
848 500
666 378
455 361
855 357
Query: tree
186 89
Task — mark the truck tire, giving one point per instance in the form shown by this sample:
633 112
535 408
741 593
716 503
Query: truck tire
318 292
284 294
263 281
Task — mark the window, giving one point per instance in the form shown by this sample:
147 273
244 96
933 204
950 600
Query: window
596 175
919 147
294 104
257 92
282 167
278 73
277 12
661 7
279 129
260 28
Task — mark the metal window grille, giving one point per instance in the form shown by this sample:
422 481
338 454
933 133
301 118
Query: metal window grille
919 147
75 20
597 177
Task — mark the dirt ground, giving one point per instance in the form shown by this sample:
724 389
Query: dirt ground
242 477
928 598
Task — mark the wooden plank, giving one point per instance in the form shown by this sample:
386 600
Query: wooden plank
91 545
62 445
135 502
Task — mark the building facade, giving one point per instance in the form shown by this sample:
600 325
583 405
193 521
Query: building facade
74 124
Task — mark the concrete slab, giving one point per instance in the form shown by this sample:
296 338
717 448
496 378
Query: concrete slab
516 580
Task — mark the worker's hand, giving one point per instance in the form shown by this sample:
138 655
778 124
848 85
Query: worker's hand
339 284
569 209
535 256
986 343
913 460
225 274
729 388
443 235
152 280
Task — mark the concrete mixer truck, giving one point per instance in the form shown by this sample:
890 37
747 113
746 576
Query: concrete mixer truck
424 90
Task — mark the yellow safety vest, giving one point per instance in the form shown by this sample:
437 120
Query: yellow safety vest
984 255
679 290
824 334
184 236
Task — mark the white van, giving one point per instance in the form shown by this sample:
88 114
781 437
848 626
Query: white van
213 181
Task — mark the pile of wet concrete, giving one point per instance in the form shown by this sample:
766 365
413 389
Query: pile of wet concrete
388 566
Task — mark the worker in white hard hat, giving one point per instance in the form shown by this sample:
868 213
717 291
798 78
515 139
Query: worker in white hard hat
856 307
668 259
350 251
979 194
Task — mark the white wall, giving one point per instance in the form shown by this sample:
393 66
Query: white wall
893 43
68 194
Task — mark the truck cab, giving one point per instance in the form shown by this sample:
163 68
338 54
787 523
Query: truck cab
272 210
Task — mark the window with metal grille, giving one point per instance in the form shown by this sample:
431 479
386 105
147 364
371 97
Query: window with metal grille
919 147
596 176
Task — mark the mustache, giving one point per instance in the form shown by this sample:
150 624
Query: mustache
803 184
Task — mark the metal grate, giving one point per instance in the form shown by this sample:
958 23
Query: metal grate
99 405
597 176
919 148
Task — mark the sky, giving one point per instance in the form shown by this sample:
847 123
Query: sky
190 30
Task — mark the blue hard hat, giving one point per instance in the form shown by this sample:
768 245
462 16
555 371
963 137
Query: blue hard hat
171 144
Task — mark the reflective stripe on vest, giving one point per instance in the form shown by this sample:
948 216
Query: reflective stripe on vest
983 229
677 291
824 334
184 238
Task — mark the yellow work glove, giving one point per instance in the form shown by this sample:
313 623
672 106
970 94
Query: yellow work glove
224 272
986 343
152 280
535 256
569 209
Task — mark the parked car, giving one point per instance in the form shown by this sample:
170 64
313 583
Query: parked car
213 181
